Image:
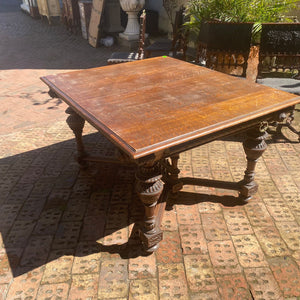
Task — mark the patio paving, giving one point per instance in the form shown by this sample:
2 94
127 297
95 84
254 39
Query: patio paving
68 234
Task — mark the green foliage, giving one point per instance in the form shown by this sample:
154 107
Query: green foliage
257 11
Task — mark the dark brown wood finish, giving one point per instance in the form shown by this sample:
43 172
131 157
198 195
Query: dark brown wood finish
149 187
224 44
166 100
153 109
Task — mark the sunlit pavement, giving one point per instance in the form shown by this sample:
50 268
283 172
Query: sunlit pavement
67 234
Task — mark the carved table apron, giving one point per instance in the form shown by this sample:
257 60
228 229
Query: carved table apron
156 108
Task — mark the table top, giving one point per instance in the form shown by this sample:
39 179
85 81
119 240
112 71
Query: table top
148 106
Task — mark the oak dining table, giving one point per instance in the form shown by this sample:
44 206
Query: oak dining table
154 109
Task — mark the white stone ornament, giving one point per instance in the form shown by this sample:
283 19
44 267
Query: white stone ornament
131 7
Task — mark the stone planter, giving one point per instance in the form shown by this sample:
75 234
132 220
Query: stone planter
131 7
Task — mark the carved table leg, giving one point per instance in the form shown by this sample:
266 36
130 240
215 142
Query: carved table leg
174 171
76 123
254 147
289 120
173 174
149 187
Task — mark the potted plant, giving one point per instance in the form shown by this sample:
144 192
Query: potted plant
240 11
212 21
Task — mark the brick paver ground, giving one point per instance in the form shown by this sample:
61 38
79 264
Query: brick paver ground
68 234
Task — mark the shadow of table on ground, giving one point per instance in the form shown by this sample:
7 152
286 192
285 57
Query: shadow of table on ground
50 209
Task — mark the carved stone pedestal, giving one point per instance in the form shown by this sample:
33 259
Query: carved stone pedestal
131 7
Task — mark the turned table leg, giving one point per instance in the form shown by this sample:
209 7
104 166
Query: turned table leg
76 123
174 174
149 187
254 147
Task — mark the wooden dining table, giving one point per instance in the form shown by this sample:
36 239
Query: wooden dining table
154 109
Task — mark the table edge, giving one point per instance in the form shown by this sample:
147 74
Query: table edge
182 139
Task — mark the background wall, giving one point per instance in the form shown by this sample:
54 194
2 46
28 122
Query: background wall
164 22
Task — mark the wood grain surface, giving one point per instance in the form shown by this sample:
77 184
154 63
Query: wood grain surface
153 104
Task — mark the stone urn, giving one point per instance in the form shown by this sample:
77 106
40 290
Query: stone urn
132 7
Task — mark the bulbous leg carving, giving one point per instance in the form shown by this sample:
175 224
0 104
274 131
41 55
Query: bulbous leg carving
254 147
76 123
149 187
